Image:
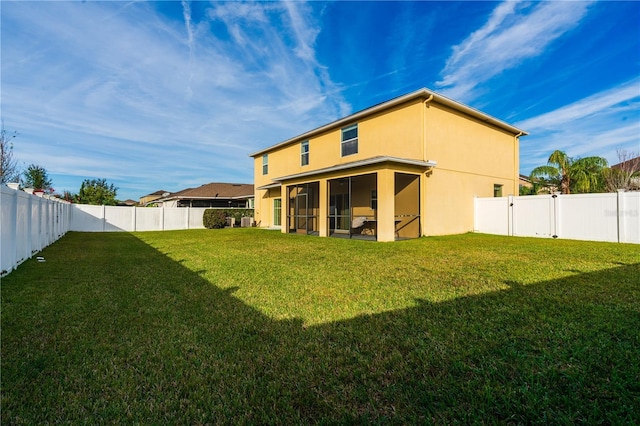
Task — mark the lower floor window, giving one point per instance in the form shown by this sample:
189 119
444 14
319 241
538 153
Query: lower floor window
277 212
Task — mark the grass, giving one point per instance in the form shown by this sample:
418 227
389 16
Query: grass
256 327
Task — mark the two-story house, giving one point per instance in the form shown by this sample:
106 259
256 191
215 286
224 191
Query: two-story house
401 169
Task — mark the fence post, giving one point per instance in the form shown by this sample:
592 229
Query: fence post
30 227
49 224
14 232
475 213
188 211
162 219
556 215
510 215
134 219
42 224
620 215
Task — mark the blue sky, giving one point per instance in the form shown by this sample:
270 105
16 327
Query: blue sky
170 95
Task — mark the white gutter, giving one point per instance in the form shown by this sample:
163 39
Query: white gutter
356 164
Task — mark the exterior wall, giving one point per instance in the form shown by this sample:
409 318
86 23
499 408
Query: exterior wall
472 157
264 208
149 198
397 133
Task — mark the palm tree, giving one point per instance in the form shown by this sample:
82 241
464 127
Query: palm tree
564 173
587 174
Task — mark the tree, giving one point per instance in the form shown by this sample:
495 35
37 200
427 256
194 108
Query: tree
97 192
8 166
37 177
567 174
68 196
625 174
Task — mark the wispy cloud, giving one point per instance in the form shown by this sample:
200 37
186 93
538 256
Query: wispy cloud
164 101
615 100
596 125
514 32
186 13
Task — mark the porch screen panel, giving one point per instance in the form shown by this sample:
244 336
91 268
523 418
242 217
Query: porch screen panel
304 204
291 212
364 214
351 211
339 206
407 205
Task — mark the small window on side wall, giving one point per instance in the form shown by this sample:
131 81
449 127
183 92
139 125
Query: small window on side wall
265 164
304 153
497 190
349 143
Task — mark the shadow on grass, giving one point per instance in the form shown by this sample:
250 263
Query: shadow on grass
101 334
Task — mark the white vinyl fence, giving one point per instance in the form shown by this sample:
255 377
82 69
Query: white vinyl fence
28 223
87 218
613 217
31 223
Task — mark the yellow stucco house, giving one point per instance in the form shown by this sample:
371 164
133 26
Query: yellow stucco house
401 169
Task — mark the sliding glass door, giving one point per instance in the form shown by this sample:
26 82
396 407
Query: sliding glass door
304 205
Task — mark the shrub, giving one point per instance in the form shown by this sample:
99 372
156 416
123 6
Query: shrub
214 219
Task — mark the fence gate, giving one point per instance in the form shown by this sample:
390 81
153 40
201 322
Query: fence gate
613 217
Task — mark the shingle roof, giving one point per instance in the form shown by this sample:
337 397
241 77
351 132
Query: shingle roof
632 163
216 190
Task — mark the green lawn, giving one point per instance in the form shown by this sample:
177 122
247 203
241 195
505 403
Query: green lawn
247 326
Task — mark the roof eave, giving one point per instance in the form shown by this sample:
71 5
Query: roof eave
418 94
204 197
354 165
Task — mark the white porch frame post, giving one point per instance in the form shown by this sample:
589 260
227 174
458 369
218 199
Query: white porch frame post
386 205
323 208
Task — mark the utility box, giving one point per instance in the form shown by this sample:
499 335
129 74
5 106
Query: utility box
246 222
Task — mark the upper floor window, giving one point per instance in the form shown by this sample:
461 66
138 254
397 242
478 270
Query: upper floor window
265 164
304 153
350 140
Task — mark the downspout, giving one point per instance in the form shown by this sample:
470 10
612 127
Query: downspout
516 160
422 202
424 127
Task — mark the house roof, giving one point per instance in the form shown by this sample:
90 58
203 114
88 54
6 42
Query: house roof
351 165
160 192
426 94
214 190
632 163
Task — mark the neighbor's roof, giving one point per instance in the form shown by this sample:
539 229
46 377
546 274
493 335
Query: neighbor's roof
632 163
160 192
214 190
418 94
